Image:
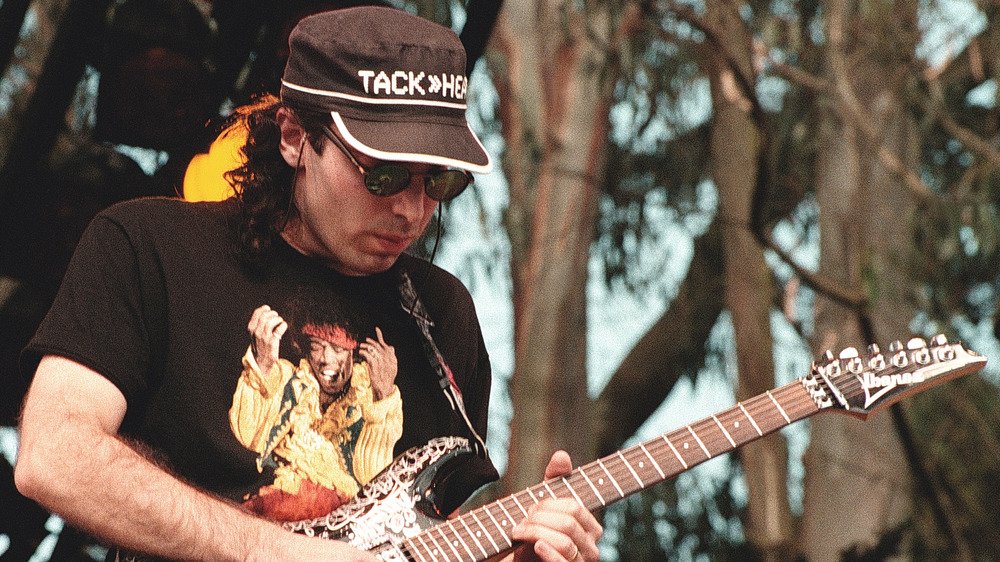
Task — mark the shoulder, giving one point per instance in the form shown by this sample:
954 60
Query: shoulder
166 211
166 224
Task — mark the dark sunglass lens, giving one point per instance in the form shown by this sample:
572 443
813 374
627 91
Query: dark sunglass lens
447 184
387 180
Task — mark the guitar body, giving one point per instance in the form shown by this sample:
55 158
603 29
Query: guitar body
399 503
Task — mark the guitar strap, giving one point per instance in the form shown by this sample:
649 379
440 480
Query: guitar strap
410 301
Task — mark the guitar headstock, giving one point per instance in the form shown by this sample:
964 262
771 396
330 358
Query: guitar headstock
862 384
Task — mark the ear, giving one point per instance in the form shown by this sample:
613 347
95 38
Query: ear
293 136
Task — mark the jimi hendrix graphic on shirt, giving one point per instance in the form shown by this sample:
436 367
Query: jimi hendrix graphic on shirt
321 425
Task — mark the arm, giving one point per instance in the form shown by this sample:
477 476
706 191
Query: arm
558 530
72 462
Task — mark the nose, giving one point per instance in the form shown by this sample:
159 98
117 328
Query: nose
412 202
329 355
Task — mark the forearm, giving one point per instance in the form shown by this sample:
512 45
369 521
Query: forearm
72 462
103 486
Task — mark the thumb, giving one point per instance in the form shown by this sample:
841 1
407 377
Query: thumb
559 464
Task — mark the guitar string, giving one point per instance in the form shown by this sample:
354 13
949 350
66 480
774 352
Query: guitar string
622 473
710 432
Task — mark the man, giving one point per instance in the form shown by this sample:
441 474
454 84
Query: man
125 430
325 426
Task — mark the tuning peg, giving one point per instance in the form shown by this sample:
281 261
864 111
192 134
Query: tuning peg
900 360
877 362
939 339
827 355
895 346
916 343
874 349
848 353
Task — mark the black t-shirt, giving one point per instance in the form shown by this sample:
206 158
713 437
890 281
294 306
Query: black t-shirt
156 300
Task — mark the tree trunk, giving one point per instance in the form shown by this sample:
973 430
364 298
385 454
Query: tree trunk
736 146
857 484
554 111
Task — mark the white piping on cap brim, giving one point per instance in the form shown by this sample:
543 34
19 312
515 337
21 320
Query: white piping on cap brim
412 157
375 101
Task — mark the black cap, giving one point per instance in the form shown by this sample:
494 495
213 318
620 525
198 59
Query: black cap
394 85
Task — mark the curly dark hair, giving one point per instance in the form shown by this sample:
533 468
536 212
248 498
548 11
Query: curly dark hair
264 183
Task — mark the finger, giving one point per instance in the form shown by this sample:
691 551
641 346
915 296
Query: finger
368 351
561 522
547 552
559 464
280 329
378 333
564 515
271 325
256 316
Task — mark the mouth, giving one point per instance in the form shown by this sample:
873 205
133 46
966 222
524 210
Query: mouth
330 374
394 243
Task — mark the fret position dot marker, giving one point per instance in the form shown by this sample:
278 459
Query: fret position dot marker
737 424
600 481
685 445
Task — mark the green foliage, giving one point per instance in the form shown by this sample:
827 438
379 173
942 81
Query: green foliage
958 430
683 519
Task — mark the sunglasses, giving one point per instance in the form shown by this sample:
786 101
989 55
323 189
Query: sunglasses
386 179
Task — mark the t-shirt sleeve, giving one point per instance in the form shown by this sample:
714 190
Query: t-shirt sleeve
98 318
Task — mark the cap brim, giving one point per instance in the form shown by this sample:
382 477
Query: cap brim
438 144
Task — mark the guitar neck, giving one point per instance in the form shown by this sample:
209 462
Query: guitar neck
485 532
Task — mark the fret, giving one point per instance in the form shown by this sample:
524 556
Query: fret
612 478
446 541
489 535
459 539
499 527
737 426
519 506
698 439
438 551
551 493
572 491
415 549
724 432
656 465
676 454
780 409
432 552
691 447
632 470
592 487
474 537
507 513
752 421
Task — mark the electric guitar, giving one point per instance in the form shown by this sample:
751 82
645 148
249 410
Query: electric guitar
395 516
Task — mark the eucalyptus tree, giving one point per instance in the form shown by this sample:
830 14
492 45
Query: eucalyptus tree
828 119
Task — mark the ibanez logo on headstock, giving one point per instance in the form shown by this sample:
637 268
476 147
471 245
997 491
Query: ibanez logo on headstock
864 384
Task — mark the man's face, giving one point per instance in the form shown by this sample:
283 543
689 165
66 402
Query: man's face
331 365
346 227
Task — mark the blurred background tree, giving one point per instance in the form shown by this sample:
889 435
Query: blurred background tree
773 178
